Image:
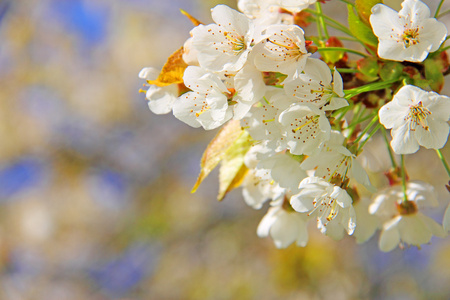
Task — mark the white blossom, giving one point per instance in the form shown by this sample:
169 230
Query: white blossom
317 86
367 223
329 204
207 104
284 227
223 46
258 187
249 87
403 222
190 54
283 167
257 8
283 50
272 175
417 118
408 35
262 121
305 127
334 160
160 99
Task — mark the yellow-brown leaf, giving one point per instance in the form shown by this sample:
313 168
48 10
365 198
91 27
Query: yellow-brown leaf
172 71
191 18
217 149
232 168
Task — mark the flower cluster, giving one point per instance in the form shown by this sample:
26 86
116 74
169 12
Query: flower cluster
297 110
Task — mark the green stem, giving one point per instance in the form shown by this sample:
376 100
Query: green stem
356 115
444 162
341 27
337 25
374 120
444 49
391 155
321 20
443 14
368 88
361 120
405 197
319 28
342 113
341 49
371 134
438 8
348 2
342 70
345 38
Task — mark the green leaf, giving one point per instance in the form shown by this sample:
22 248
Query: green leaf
433 74
333 56
364 8
232 168
369 68
217 149
391 70
359 29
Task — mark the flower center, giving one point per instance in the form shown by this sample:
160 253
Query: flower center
410 37
407 208
321 92
286 45
326 207
418 116
310 123
237 42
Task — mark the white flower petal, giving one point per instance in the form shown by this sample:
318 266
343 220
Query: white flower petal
390 114
415 10
390 236
435 228
149 73
435 35
266 223
435 137
301 204
439 106
446 220
223 15
403 141
413 231
383 19
161 100
286 230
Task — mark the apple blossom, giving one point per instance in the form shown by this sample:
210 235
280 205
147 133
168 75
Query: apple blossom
283 50
305 127
408 35
223 46
160 99
284 227
417 118
329 204
334 161
403 221
316 86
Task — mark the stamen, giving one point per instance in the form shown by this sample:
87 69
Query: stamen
312 120
418 116
202 111
410 37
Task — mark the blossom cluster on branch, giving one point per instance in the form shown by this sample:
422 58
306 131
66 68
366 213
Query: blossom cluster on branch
296 111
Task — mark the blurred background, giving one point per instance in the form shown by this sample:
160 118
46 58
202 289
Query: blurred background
95 196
